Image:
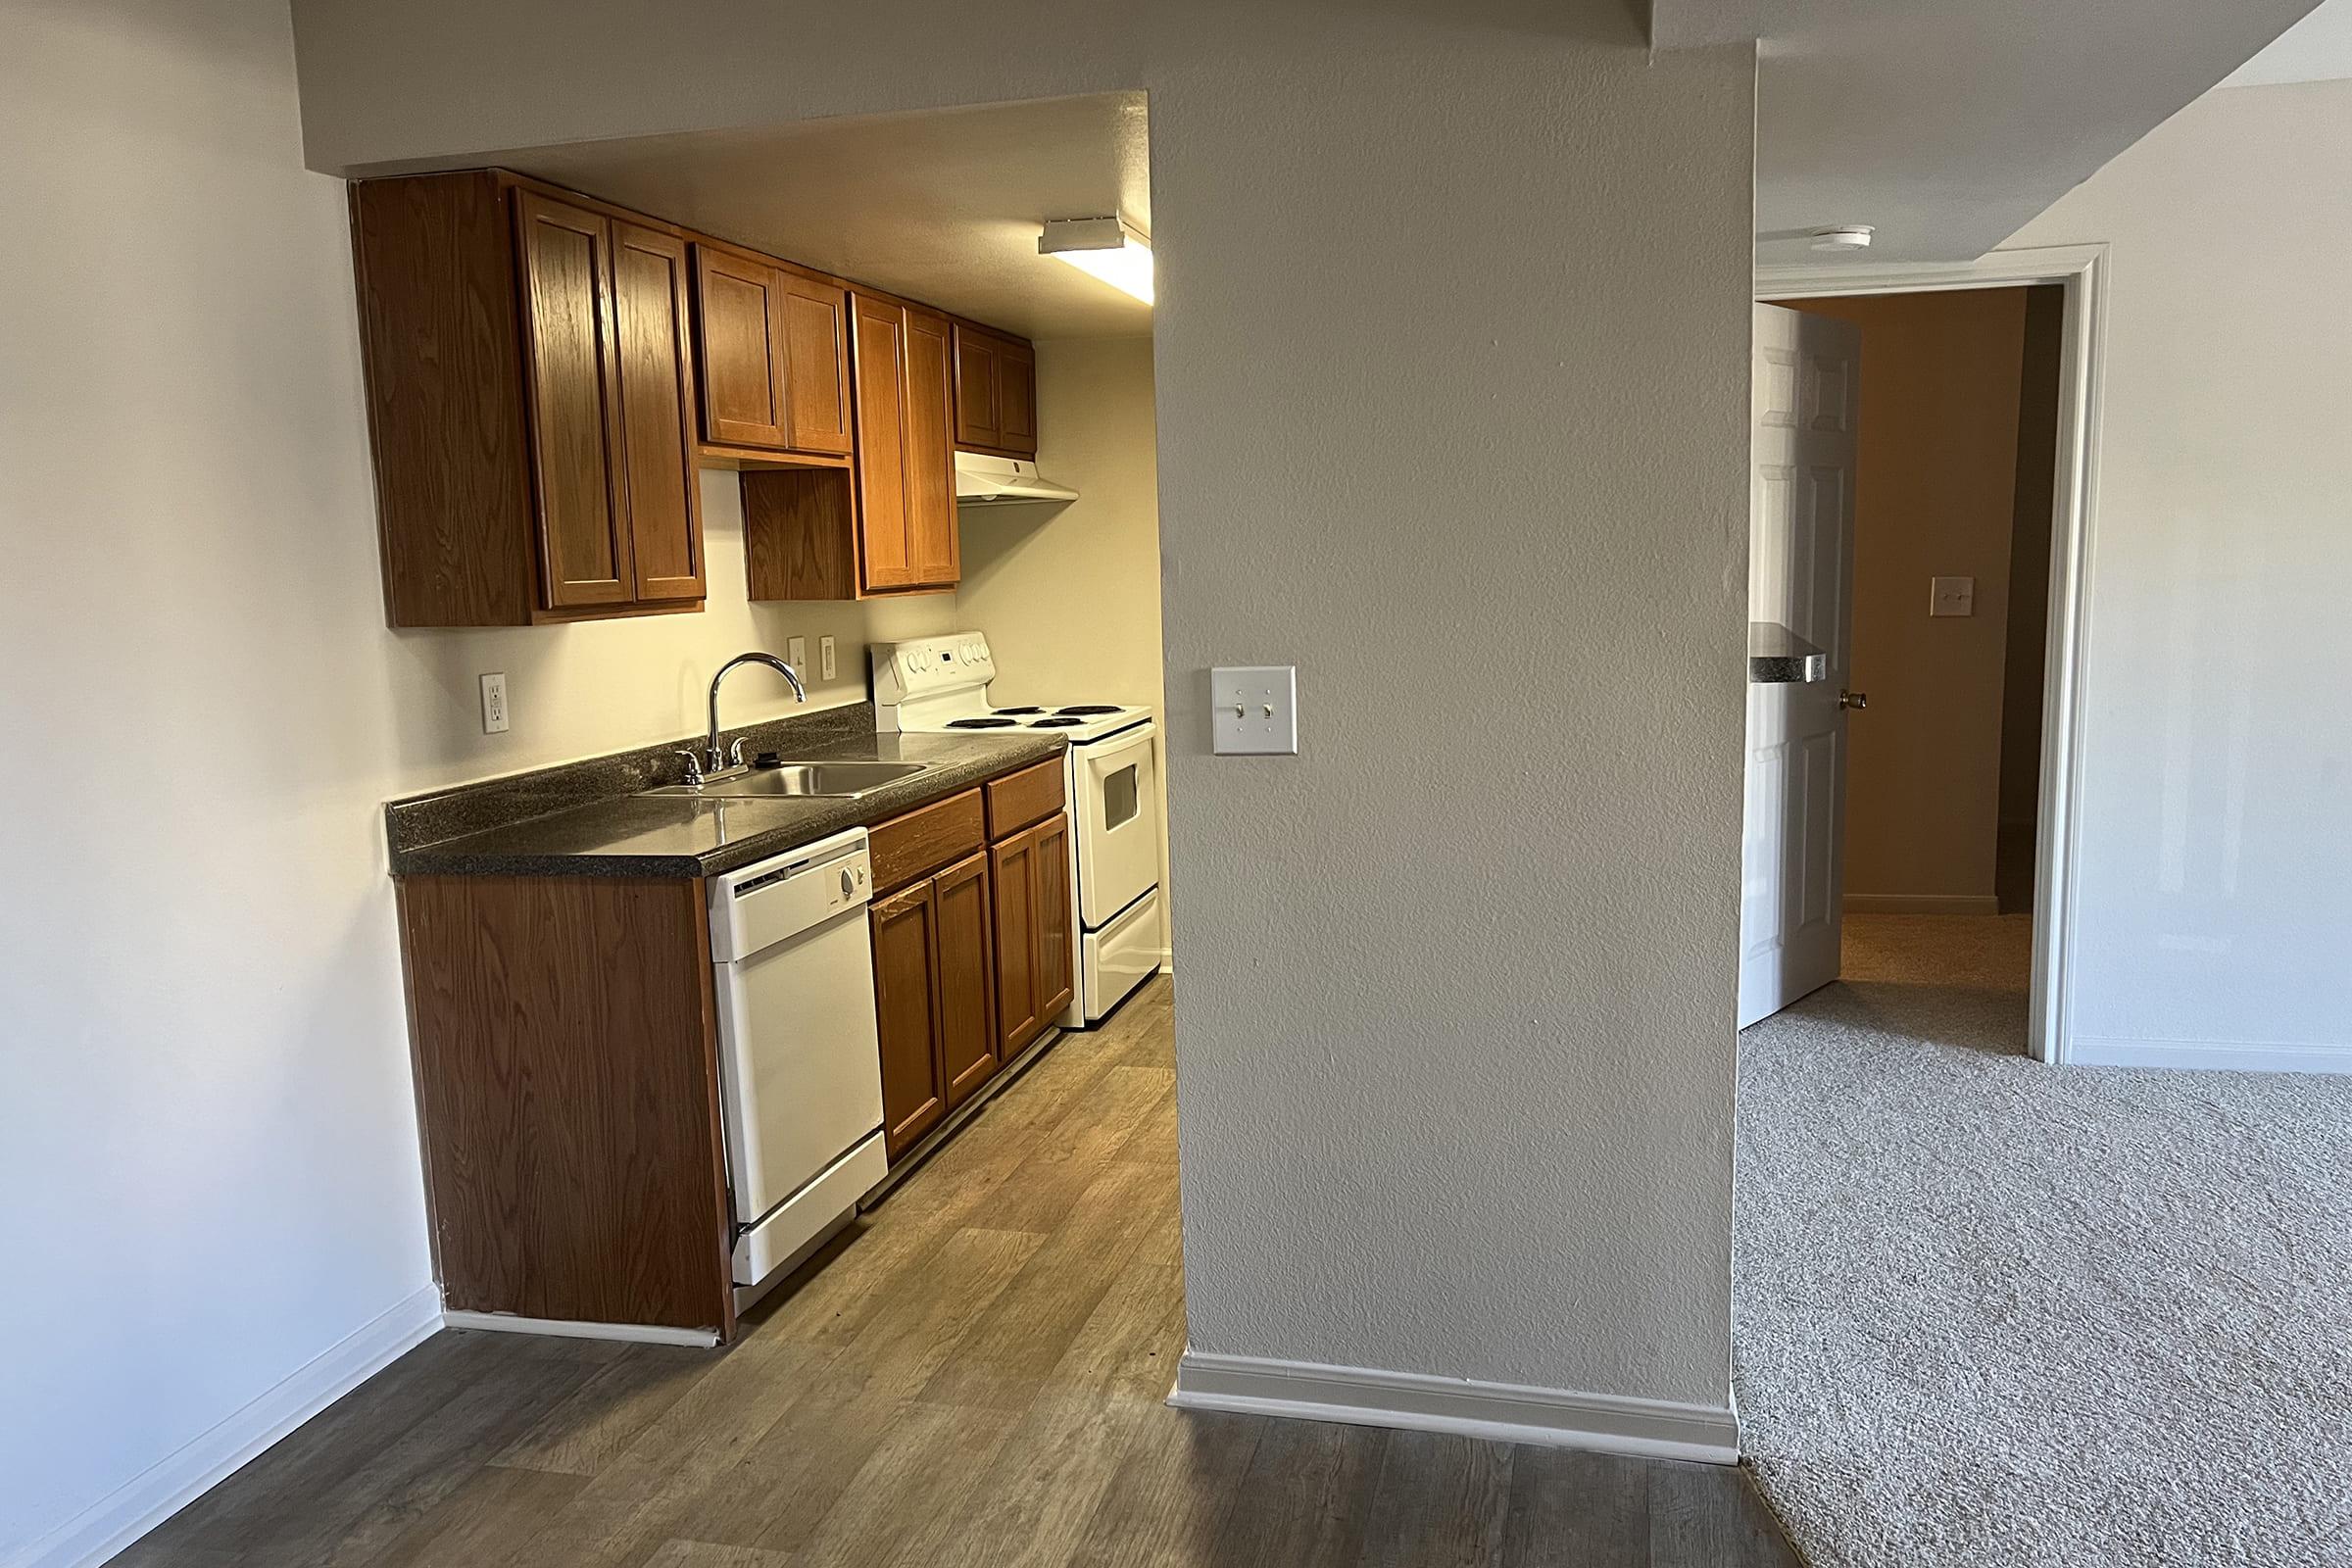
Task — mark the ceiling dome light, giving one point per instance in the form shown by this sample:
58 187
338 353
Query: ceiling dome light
1843 237
1108 248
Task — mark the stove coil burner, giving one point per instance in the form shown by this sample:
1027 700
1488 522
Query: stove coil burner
1089 708
1055 722
981 724
1016 710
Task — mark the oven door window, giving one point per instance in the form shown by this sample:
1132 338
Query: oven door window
1118 797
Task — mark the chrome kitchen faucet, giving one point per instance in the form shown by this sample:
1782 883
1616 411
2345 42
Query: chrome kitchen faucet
715 763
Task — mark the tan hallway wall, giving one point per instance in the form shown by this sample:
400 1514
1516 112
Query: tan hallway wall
1934 497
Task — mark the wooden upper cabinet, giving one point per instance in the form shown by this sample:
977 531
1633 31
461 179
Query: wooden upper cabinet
995 392
933 545
575 418
774 355
530 398
816 356
651 355
739 310
879 366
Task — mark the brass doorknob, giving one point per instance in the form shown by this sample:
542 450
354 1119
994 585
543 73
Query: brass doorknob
1846 699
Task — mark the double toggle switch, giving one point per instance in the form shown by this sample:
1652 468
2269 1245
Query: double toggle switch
1254 709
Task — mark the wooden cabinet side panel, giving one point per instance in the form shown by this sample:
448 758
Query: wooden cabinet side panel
1053 916
653 362
934 541
434 261
567 1077
906 940
1012 872
967 1013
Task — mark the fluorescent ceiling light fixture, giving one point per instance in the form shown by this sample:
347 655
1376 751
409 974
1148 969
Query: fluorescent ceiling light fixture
1110 248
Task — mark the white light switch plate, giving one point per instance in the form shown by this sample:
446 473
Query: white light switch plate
1254 709
1951 596
796 654
494 702
824 655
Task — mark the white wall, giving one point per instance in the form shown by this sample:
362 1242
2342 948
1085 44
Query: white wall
1069 596
2215 878
1451 370
206 1123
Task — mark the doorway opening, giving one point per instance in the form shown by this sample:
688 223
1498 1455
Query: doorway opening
1922 495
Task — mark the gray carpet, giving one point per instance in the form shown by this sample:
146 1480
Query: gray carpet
1989 1313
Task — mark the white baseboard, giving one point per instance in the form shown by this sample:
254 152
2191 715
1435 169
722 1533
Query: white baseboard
1922 903
565 1328
153 1495
1650 1429
2217 1056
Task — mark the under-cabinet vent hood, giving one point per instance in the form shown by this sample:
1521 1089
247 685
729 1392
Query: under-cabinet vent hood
983 480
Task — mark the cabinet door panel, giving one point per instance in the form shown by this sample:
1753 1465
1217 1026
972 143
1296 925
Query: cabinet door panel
934 555
1053 916
967 988
978 421
905 936
878 372
816 358
1012 865
655 398
743 360
567 347
1016 399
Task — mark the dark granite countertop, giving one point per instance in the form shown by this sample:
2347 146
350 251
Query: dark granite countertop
584 818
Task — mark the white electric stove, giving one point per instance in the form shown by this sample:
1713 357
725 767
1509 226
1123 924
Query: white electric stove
1118 939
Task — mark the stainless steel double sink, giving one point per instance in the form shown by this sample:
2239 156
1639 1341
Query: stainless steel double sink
828 780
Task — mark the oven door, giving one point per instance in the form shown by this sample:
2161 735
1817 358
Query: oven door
1116 822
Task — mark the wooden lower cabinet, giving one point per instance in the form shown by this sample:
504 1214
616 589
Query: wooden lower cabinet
967 997
971 958
1033 930
906 933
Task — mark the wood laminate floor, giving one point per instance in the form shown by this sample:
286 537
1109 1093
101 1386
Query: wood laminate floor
973 1375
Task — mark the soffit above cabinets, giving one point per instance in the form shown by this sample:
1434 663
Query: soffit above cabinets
1948 125
944 207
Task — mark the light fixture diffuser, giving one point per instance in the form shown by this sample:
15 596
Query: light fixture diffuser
1107 248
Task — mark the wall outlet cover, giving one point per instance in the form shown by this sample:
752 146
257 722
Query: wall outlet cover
494 702
1254 709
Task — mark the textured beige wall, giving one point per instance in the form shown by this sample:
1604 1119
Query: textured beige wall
1069 596
1935 495
578 691
1451 375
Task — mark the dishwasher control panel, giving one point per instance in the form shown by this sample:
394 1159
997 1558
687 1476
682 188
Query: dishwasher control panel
776 899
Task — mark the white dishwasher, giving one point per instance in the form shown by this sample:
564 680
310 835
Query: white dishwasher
799 1063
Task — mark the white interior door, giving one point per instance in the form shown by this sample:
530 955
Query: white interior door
1800 573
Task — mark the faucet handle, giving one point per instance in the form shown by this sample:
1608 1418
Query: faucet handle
735 753
694 767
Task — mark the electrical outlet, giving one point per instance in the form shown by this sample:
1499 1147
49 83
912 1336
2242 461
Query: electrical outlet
795 653
1255 710
1951 596
825 657
494 702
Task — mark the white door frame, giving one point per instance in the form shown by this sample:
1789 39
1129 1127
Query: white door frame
2081 271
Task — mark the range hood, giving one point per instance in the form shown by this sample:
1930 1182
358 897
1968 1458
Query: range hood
983 480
